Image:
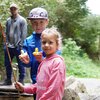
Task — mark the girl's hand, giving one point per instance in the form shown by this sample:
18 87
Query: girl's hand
24 58
19 86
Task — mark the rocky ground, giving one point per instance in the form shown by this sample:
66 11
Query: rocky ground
82 89
90 83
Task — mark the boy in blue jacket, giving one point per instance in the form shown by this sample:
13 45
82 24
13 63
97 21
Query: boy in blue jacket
39 20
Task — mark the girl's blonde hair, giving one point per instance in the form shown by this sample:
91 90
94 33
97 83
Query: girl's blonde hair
53 30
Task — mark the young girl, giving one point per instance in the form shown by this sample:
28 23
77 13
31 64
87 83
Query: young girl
51 72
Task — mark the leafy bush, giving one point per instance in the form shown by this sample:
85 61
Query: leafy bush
78 62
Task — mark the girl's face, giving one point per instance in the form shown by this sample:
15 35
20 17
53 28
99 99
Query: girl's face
39 25
49 44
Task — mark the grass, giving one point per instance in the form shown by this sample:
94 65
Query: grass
84 68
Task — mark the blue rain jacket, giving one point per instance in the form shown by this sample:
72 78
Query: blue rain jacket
30 43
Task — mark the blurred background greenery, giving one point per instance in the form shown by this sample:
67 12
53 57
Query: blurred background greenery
80 30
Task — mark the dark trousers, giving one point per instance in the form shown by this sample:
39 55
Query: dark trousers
14 52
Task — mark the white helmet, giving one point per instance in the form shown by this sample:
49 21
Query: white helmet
38 13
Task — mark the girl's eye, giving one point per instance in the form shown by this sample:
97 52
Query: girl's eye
43 42
50 42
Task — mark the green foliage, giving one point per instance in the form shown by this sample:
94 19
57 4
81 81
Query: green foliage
72 12
78 62
70 16
89 36
70 44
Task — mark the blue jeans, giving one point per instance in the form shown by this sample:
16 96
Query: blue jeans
14 52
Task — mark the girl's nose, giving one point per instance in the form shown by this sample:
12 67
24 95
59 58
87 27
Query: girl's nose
46 44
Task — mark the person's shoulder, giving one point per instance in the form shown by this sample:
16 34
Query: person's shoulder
59 61
9 18
58 58
31 36
28 39
21 18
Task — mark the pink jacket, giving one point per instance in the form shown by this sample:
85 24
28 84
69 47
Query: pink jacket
50 79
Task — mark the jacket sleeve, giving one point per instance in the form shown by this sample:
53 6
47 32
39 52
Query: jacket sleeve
6 31
23 28
56 81
31 89
25 49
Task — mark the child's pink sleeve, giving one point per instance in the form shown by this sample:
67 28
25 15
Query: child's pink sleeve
30 89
